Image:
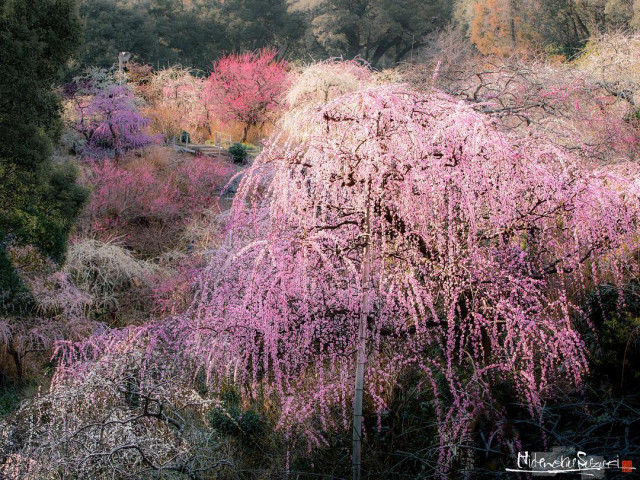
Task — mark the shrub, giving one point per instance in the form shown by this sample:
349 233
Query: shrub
9 400
118 283
615 312
51 291
231 418
57 309
146 201
239 152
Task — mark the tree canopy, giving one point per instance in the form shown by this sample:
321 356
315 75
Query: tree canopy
193 33
373 29
246 87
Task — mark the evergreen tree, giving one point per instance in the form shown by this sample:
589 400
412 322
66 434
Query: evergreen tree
38 197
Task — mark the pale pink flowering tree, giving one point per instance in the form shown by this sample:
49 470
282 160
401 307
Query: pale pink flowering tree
247 87
321 82
476 245
179 101
408 221
574 105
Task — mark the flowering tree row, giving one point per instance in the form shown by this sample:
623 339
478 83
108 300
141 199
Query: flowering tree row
244 88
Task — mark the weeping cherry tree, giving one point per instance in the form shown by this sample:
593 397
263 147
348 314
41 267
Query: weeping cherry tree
384 235
390 230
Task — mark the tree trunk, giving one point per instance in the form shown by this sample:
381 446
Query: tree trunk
362 354
383 47
402 52
583 27
245 131
18 362
282 51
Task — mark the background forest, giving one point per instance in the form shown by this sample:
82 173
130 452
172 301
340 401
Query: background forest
317 238
193 32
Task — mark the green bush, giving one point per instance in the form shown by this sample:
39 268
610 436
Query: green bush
239 152
633 117
231 418
10 284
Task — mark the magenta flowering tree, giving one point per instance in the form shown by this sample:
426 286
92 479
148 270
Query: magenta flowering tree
247 87
111 123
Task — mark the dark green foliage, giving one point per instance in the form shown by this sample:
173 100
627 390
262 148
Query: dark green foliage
239 152
111 27
38 198
232 419
171 32
9 399
616 348
382 32
60 199
256 24
10 285
563 28
633 117
161 33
